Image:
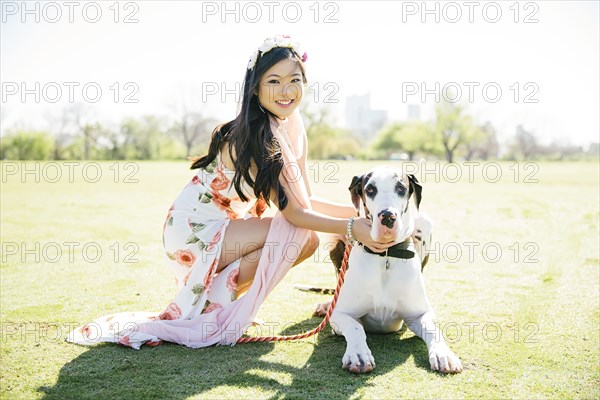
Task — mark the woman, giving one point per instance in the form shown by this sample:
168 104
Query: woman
226 258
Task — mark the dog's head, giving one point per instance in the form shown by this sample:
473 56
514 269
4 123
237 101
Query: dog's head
385 194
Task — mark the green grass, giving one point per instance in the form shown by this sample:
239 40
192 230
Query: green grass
525 325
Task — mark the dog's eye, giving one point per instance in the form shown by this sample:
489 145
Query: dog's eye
371 190
400 189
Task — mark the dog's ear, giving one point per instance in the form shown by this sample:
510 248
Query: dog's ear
414 187
337 255
356 192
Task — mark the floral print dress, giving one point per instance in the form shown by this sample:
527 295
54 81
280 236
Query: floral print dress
205 310
193 238
193 235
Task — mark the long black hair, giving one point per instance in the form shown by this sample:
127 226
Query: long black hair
250 135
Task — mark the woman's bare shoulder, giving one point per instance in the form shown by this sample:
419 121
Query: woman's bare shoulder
225 157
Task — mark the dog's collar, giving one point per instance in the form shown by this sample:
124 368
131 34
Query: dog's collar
404 250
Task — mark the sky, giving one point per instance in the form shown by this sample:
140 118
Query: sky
534 63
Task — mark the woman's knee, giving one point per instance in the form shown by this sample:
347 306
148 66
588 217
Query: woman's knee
309 248
313 243
243 237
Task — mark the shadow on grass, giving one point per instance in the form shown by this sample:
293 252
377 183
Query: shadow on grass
171 371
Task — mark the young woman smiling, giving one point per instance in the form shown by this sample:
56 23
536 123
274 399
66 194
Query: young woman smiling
227 257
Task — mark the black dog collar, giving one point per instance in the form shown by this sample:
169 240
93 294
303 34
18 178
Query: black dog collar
404 250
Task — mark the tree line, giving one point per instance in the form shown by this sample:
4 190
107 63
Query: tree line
452 135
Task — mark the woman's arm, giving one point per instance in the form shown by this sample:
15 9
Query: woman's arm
306 218
332 208
314 219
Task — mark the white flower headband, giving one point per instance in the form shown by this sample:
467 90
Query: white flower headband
273 42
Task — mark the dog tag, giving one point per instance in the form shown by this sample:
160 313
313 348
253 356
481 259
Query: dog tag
387 263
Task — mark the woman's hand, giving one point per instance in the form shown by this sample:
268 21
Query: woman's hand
361 228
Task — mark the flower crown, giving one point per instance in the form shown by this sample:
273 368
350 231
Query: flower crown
273 42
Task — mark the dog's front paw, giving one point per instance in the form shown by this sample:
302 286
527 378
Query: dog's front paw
321 309
358 359
442 359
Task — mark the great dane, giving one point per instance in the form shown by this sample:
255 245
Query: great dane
383 291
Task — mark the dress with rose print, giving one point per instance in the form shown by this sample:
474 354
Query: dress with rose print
205 310
192 237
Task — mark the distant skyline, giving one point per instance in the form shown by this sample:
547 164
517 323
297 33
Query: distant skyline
182 51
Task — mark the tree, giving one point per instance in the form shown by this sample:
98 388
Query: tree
60 125
479 140
111 144
410 137
416 137
447 124
26 145
489 147
91 133
325 140
388 139
453 126
526 142
192 128
142 137
79 114
315 119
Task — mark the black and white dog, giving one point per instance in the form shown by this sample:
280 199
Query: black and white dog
383 291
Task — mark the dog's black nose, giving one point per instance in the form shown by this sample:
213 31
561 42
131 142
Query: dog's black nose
388 218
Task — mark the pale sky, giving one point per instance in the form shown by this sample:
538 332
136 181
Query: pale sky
178 50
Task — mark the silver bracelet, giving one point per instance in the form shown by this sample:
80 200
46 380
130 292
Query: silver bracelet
349 236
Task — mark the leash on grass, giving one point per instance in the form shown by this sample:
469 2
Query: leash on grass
320 327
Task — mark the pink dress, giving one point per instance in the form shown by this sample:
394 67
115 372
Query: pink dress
205 310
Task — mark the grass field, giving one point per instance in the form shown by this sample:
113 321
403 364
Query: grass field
514 282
